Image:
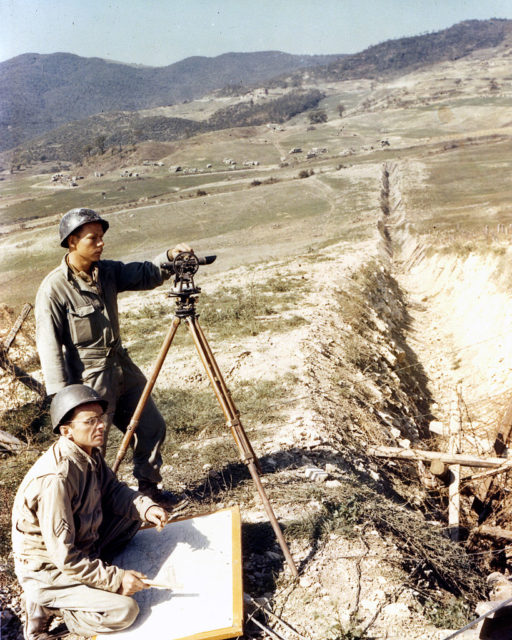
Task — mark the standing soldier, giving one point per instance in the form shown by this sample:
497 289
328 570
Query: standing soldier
78 339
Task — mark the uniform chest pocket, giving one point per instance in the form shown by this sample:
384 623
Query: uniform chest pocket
83 324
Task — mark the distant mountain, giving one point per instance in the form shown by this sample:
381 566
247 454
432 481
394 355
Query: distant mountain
44 93
39 93
407 54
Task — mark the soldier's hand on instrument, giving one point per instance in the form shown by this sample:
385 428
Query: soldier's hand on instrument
132 582
157 516
179 248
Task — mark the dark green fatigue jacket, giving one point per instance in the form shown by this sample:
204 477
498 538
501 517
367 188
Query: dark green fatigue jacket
77 328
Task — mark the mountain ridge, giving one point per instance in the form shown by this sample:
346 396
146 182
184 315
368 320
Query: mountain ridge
40 92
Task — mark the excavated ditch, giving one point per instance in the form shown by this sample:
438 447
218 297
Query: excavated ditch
409 330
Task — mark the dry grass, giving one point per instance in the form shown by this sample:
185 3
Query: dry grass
468 188
230 312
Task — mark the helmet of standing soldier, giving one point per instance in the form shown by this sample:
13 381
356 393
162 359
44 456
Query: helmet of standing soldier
74 219
69 398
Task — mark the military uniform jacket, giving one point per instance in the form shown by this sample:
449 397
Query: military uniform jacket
57 513
77 324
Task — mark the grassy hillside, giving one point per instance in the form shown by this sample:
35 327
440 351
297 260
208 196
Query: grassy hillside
78 140
210 202
405 54
39 93
361 292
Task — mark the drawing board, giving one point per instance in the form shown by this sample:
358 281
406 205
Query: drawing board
200 559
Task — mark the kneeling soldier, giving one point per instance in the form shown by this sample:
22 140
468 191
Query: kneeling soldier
70 516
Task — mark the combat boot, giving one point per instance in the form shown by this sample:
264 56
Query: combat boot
163 498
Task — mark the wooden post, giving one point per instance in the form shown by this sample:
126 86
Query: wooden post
439 469
505 468
16 326
493 532
504 430
454 486
21 375
9 366
412 455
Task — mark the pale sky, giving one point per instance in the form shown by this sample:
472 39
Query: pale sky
160 32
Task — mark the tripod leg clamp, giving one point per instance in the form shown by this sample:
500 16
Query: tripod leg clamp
247 454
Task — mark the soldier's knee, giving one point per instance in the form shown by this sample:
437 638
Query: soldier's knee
131 612
121 616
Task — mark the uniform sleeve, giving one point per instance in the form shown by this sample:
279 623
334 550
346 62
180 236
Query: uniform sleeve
58 531
141 276
122 500
50 318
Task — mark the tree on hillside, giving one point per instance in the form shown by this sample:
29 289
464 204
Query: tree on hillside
341 109
318 116
19 159
100 143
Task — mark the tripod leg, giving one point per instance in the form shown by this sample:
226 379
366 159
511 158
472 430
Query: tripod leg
272 518
134 422
244 446
222 391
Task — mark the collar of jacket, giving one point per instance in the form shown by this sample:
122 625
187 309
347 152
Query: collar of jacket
75 278
77 454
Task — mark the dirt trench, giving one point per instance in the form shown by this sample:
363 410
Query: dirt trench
460 328
411 327
460 323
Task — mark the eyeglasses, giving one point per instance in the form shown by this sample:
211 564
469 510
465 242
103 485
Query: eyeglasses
93 421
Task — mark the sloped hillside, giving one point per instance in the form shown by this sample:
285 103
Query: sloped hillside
41 92
360 299
406 54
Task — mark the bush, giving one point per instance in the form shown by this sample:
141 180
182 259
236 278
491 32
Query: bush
318 116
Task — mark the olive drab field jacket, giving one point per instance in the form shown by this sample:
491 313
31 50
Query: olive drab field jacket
77 325
57 513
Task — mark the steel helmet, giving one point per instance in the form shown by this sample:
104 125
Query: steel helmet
76 218
70 398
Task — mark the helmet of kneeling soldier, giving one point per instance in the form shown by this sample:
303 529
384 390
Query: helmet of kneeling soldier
68 399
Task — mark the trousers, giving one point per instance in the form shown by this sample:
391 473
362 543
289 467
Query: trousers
85 610
121 385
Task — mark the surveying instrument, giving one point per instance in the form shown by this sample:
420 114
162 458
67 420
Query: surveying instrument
185 292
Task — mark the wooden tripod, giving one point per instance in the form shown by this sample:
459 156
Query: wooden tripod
186 294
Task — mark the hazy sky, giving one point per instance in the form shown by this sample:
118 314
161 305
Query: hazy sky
160 32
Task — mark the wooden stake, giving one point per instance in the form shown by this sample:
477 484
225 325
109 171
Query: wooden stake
489 474
9 366
449 458
454 486
439 469
502 438
493 532
20 374
17 326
